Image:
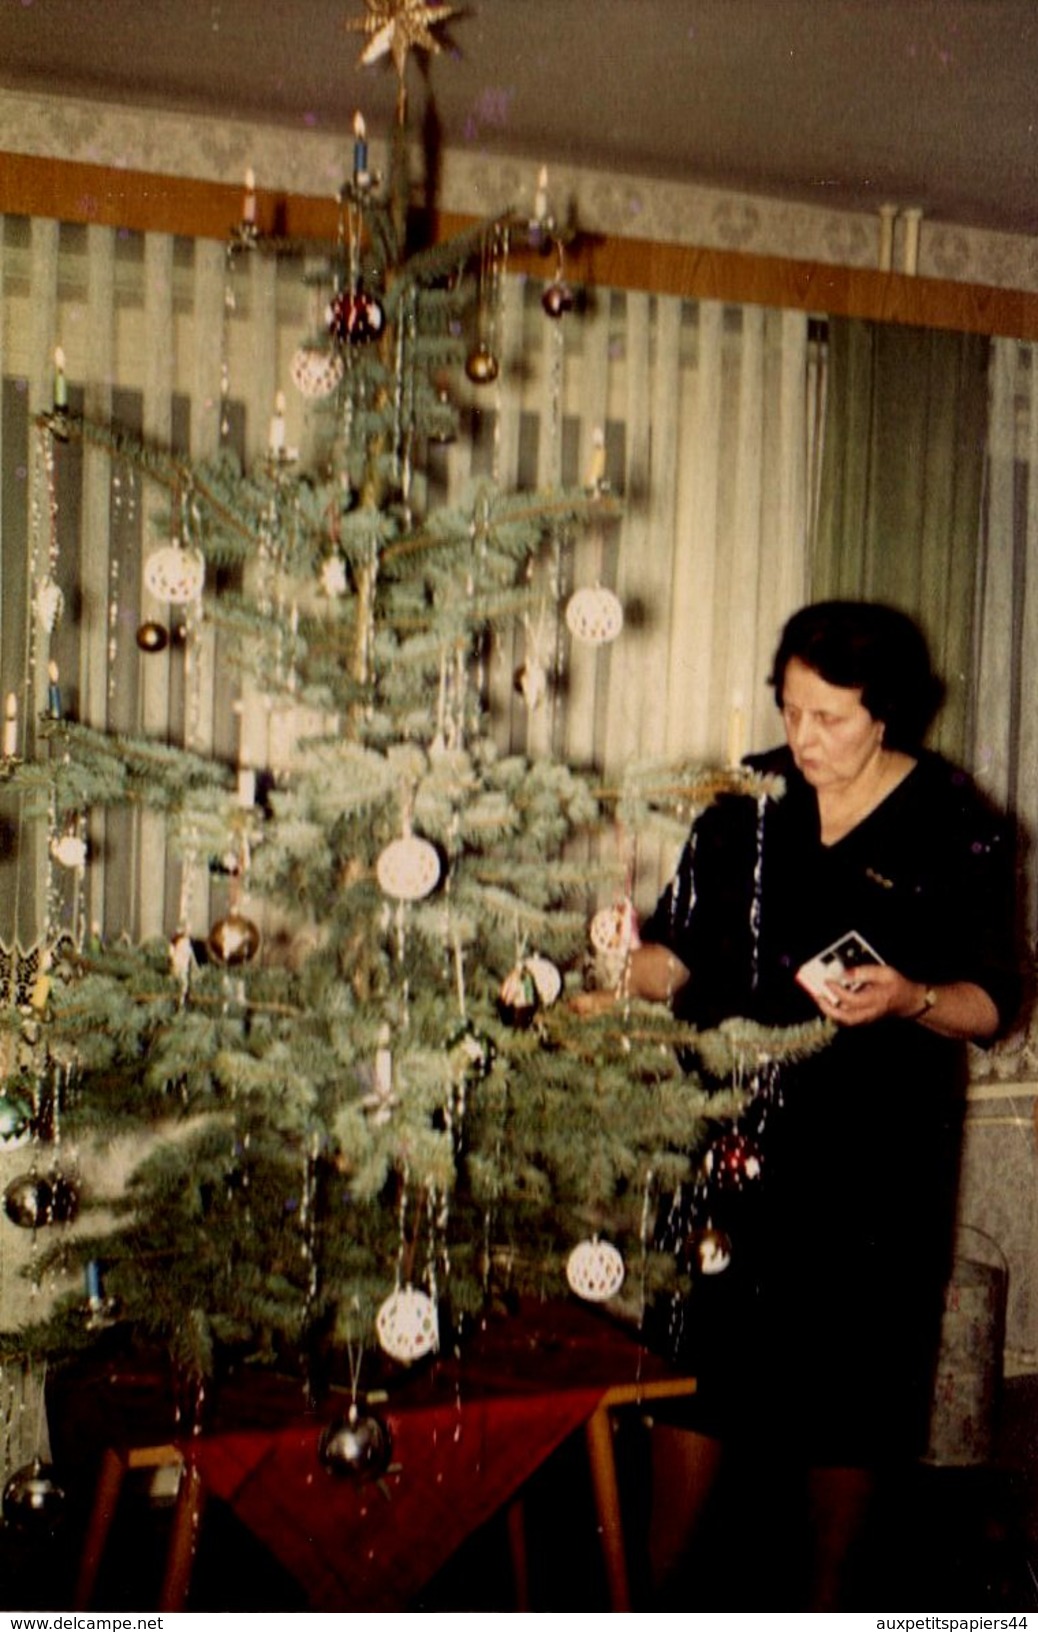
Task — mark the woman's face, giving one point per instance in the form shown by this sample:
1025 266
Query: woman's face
833 736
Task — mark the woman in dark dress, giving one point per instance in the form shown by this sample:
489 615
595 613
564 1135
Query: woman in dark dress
817 1343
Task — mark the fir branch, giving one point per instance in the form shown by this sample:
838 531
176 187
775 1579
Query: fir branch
738 1047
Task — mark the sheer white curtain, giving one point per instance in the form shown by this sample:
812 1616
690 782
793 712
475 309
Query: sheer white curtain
709 417
1005 722
710 413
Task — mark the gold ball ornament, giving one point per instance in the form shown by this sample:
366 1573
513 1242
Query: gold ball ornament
233 940
481 365
595 1270
152 637
709 1251
406 1325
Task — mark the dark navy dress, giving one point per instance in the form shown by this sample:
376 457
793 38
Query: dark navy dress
822 1332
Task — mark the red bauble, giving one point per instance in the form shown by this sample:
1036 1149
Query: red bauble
557 298
355 317
733 1162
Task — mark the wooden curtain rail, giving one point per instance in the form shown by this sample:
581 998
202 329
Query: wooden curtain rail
142 202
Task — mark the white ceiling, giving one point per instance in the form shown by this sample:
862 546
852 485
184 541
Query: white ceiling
850 103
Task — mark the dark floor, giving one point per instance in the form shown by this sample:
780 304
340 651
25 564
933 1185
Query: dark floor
948 1539
944 1539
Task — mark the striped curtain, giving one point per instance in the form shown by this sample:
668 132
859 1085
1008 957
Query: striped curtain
709 413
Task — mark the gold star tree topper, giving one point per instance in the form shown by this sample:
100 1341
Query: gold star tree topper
399 26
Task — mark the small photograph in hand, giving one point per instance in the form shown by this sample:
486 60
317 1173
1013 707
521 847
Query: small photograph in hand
838 961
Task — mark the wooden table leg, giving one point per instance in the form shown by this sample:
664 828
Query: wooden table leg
599 1433
106 1500
183 1541
515 1521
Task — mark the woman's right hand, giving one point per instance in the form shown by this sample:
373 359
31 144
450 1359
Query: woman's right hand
590 1004
651 973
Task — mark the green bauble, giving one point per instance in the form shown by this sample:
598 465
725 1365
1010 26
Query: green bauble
17 1111
472 1053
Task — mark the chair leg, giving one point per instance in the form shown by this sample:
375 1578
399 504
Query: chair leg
183 1540
602 1460
106 1500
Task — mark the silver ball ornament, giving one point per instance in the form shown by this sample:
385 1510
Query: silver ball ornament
33 1200
34 1498
355 1446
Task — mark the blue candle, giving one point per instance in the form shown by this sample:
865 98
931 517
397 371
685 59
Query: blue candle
360 148
53 692
93 1281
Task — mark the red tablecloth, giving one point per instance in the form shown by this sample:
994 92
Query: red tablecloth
372 1546
468 1428
468 1431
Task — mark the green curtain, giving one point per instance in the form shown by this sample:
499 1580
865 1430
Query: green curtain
900 495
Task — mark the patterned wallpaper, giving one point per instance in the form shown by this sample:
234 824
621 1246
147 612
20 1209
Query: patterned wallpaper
312 162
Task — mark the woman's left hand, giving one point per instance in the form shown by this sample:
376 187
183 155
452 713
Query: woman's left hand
873 991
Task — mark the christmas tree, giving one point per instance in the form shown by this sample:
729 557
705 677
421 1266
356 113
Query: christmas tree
378 1114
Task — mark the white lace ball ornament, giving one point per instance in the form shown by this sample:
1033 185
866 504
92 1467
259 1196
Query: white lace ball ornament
333 576
50 602
594 616
175 576
69 850
545 977
315 371
613 929
406 1325
595 1271
408 869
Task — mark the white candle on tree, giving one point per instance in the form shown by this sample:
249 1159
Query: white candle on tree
736 730
10 743
60 382
277 425
248 213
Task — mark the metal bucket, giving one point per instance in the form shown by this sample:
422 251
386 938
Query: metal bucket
968 1377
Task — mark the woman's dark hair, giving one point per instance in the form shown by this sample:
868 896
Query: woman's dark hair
877 649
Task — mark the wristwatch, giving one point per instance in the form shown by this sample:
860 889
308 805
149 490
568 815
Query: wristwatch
929 999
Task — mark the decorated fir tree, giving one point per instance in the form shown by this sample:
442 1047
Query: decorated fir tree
363 1106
